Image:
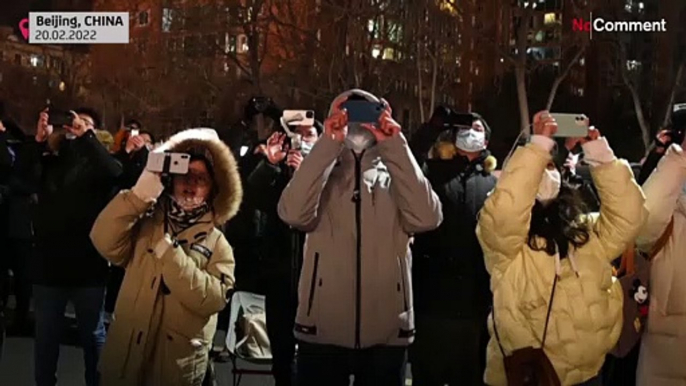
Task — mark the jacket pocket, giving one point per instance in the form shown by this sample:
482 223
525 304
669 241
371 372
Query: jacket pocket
313 284
185 360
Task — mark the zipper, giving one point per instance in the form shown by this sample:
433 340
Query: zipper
313 283
404 284
357 199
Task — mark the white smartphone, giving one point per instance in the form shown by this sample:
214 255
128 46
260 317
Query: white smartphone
168 163
298 117
571 125
135 132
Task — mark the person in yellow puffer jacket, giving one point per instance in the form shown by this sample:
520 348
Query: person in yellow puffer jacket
534 230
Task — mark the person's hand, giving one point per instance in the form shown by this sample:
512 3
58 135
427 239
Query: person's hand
544 124
43 129
593 134
388 127
134 143
664 137
78 126
336 126
294 159
149 186
275 151
2 128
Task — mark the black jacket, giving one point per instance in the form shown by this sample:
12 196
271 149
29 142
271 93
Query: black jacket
133 165
16 203
449 275
281 246
74 186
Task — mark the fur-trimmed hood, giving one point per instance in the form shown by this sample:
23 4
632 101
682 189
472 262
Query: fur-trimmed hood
229 189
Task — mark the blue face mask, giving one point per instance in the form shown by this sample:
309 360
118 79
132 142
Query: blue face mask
306 148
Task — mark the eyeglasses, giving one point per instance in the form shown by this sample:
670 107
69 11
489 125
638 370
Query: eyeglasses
201 180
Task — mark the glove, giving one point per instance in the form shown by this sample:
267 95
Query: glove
149 186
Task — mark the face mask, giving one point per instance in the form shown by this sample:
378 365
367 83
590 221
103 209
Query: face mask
189 203
359 138
550 186
471 140
306 148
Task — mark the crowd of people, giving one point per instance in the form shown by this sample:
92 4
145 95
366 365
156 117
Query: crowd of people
372 250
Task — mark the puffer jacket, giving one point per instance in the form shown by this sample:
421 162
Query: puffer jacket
359 212
586 316
166 312
663 347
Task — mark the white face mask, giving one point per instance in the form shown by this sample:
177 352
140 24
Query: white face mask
359 138
306 148
550 186
470 140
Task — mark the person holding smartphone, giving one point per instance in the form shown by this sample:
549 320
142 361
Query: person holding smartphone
360 196
75 176
550 259
282 247
179 266
451 285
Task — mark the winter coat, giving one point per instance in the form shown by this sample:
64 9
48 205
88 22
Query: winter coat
586 316
355 289
165 317
133 165
449 276
76 179
663 348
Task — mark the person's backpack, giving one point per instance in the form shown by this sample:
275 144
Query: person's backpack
530 366
634 277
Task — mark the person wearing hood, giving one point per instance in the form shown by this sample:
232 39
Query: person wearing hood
549 259
282 246
360 196
76 177
451 286
663 345
179 267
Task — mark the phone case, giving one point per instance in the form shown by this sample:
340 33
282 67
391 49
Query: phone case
363 111
571 125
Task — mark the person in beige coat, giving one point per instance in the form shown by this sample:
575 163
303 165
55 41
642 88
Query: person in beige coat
663 346
179 267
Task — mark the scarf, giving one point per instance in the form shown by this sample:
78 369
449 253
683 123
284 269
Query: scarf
180 219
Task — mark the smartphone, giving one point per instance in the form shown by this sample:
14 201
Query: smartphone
299 117
168 163
571 125
363 111
459 120
60 118
135 132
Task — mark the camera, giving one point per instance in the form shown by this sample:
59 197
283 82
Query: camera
678 123
60 118
456 121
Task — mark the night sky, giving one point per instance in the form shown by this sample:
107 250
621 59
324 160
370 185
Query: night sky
12 11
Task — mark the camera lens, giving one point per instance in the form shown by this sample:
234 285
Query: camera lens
310 114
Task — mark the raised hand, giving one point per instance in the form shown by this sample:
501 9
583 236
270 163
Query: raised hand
545 124
336 126
275 150
43 128
387 127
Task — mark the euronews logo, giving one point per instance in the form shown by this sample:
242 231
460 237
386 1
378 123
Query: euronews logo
600 25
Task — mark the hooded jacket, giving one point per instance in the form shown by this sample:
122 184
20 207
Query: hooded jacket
75 179
359 212
165 315
586 313
663 346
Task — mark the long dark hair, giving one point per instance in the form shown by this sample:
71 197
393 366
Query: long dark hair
559 223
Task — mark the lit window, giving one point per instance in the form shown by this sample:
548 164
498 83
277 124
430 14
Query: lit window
550 18
376 52
63 86
581 91
167 18
582 61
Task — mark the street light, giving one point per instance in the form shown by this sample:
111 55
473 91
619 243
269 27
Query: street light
62 86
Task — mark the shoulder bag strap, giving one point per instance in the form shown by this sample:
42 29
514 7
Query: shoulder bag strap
550 308
662 241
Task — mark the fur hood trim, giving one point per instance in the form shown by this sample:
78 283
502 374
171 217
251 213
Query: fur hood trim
226 176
